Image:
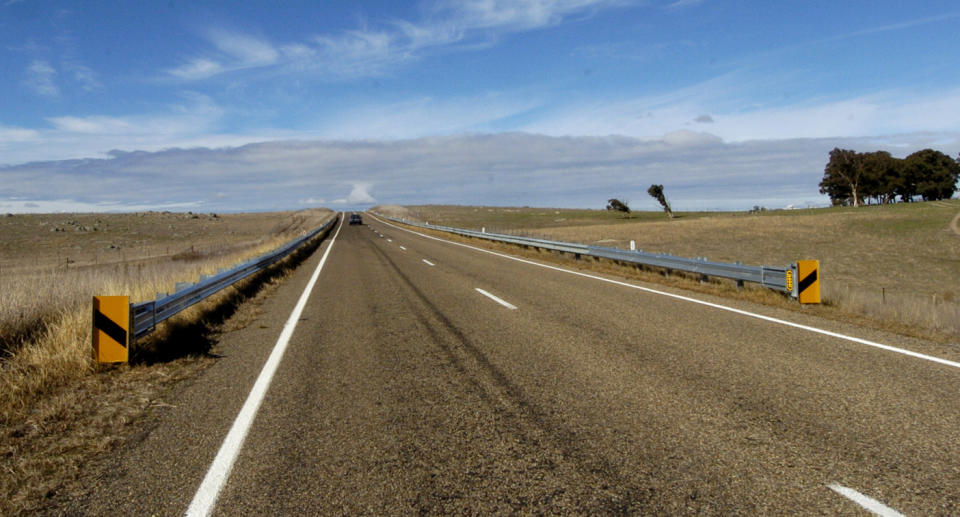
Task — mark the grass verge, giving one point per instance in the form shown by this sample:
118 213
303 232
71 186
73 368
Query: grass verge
58 409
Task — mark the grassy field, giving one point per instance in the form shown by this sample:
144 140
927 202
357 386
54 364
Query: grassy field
897 262
56 408
51 262
532 219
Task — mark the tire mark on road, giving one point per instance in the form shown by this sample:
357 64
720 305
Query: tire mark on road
627 498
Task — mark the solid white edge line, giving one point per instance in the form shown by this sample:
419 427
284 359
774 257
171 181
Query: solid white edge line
865 342
499 300
427 262
869 503
206 496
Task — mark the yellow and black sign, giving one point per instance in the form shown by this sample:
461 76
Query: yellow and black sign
808 286
111 329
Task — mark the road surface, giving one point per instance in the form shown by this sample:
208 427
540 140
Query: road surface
429 377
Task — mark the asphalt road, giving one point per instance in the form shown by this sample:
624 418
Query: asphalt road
405 389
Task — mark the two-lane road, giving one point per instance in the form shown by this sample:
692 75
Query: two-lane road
425 376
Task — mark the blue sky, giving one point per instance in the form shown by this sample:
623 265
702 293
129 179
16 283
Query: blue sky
226 106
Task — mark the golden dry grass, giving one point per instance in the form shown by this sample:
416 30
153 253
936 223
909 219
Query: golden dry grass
45 307
54 414
897 264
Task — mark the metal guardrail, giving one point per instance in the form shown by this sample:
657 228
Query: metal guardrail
146 315
776 278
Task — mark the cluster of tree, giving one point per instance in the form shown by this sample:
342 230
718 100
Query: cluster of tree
852 178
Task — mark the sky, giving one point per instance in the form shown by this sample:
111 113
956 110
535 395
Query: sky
227 106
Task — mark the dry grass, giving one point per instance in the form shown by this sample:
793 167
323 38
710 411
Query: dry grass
896 265
53 413
45 307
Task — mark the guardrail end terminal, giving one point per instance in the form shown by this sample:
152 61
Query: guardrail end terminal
111 329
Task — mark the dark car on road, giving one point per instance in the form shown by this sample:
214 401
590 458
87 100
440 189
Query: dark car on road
355 219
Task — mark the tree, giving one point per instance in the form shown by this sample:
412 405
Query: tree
656 191
617 205
843 177
881 172
934 173
850 178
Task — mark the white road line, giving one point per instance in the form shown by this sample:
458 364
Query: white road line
404 249
427 262
206 496
778 321
497 299
871 504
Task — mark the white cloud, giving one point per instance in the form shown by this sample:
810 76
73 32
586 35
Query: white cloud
40 79
882 113
92 125
17 134
359 195
83 75
195 69
424 116
197 117
246 50
232 51
697 170
514 14
897 26
684 138
680 4
886 113
49 206
366 51
191 123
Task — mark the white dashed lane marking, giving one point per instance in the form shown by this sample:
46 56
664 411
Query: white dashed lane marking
869 503
499 300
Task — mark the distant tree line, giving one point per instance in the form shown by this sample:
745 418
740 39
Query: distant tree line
852 178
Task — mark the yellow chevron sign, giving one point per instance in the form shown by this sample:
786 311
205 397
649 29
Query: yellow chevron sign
111 329
808 281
